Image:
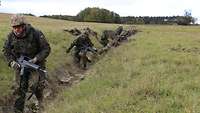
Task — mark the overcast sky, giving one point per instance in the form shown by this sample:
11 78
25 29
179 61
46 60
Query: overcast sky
122 7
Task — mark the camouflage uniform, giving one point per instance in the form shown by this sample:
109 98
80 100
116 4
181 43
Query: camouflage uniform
81 43
31 44
104 38
118 30
123 36
74 31
109 34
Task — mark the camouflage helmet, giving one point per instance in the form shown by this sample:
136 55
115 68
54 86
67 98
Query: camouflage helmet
17 20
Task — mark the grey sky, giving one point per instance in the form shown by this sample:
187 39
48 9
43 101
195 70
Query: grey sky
122 7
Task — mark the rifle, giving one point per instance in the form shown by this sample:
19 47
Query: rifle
91 49
25 64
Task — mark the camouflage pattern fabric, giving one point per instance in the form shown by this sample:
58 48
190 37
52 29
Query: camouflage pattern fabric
74 32
32 44
17 20
118 30
106 35
80 44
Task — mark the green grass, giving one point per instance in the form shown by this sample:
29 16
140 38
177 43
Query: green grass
142 76
158 72
5 73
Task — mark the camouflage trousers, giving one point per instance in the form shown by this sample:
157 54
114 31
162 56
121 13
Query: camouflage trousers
76 56
32 81
104 42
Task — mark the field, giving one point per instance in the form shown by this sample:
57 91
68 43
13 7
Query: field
157 71
58 39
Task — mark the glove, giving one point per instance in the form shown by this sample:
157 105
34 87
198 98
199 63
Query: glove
15 65
34 60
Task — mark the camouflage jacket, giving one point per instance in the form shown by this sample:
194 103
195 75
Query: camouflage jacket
33 44
81 42
108 34
118 30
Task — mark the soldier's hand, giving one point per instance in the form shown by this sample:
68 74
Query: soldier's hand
15 65
95 49
34 60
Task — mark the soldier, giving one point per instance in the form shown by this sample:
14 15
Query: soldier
109 38
28 41
81 43
118 30
74 32
91 32
123 36
104 38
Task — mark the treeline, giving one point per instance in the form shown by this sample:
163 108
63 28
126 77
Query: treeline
62 17
105 16
180 20
91 15
28 14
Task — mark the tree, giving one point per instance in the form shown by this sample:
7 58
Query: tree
98 15
187 19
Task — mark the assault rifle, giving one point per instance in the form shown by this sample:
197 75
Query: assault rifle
89 48
24 63
92 50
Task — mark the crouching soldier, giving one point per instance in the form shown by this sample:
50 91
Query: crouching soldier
24 40
82 44
104 38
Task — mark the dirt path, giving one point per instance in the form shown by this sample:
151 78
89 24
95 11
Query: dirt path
62 77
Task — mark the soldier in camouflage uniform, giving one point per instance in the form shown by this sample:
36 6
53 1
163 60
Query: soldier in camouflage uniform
104 38
74 32
107 36
118 30
28 41
81 43
110 34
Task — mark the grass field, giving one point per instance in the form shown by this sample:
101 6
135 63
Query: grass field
156 72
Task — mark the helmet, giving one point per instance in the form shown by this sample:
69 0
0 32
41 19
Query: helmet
17 19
